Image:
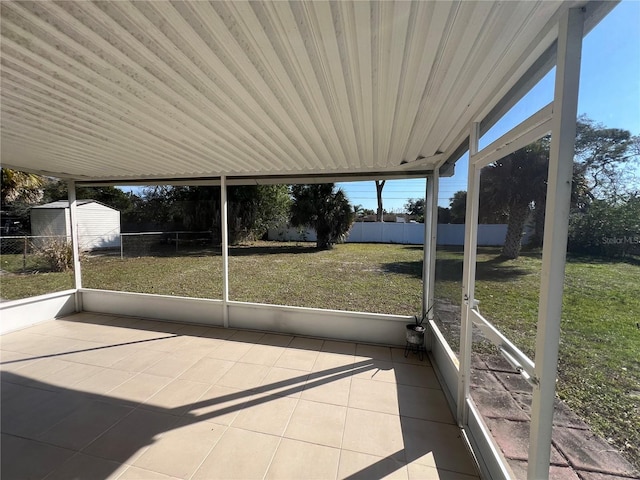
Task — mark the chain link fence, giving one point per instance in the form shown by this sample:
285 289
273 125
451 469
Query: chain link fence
34 254
166 244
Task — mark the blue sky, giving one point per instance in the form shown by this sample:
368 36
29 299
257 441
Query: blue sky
609 94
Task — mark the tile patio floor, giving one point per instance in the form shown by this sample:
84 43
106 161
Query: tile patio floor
104 397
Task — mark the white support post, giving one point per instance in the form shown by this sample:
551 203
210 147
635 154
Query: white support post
225 250
75 243
468 277
555 239
430 239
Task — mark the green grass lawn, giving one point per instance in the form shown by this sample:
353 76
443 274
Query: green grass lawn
599 369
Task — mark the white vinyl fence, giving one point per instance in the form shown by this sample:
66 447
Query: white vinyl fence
403 233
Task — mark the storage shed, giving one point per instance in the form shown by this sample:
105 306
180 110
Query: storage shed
98 224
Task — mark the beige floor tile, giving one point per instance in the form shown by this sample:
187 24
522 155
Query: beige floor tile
38 459
296 460
436 445
180 451
139 361
14 361
202 345
177 397
173 365
50 345
397 355
327 390
230 350
41 372
219 333
379 370
45 328
284 382
103 381
128 439
373 352
333 363
374 433
219 405
100 354
74 373
246 336
305 343
361 466
84 424
82 466
282 406
164 342
207 370
244 376
341 348
34 411
136 473
423 472
297 359
239 454
374 396
275 340
266 414
193 330
139 388
319 423
416 376
16 392
22 341
266 355
424 403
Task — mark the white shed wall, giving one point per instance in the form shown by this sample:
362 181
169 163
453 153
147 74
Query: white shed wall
98 225
49 222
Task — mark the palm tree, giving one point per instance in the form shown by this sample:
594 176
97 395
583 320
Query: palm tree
513 186
324 209
21 186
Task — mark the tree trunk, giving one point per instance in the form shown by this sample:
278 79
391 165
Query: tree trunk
512 243
380 213
538 225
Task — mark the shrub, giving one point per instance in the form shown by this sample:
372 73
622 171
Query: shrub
55 252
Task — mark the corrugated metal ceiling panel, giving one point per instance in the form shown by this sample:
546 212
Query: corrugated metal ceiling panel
141 90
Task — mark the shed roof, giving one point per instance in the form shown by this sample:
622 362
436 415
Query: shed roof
179 90
65 204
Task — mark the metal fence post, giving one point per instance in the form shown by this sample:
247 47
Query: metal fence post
24 255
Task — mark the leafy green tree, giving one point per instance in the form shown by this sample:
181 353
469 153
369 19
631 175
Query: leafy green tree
444 215
602 156
324 209
252 209
458 206
415 208
608 228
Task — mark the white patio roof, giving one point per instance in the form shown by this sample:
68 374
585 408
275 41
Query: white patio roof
122 91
